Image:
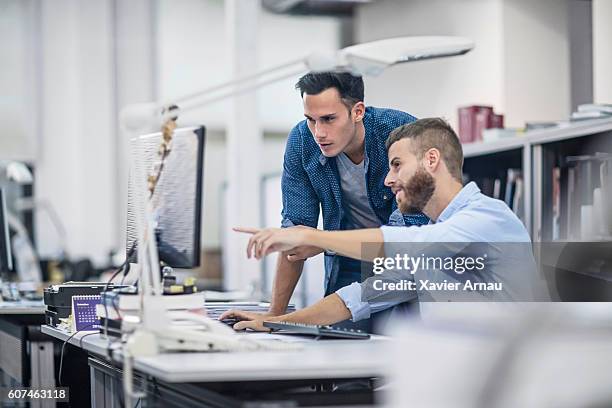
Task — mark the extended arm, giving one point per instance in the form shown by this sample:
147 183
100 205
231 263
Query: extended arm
364 244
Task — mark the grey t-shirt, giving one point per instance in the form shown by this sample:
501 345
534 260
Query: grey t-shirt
357 210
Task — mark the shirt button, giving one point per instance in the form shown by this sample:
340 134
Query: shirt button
385 197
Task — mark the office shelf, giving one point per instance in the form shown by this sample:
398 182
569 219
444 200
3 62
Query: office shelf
537 150
540 136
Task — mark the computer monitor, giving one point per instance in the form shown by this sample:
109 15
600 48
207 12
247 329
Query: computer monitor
177 199
6 257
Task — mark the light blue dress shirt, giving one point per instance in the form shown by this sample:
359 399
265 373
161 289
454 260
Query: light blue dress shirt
470 217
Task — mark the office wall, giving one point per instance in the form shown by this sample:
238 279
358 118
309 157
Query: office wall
192 56
18 98
536 41
74 167
519 65
437 87
581 51
602 51
215 179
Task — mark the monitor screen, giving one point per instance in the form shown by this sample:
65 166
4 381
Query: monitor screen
177 199
6 257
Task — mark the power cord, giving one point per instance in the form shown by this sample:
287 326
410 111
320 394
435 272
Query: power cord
125 266
61 365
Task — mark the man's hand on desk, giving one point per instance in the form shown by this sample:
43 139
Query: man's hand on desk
248 320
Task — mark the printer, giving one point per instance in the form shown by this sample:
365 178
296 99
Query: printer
58 298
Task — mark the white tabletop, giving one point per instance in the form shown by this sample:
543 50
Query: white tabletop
90 341
321 359
22 307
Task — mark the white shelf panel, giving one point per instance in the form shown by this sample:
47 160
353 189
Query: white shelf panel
538 137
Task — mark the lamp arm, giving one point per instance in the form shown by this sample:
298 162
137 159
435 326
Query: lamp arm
238 81
185 107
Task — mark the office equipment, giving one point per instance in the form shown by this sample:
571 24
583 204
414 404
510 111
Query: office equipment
6 257
58 298
84 312
317 330
177 199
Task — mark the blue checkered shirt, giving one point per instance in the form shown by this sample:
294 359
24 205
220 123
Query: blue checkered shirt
311 181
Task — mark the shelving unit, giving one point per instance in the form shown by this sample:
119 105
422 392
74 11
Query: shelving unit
532 153
579 271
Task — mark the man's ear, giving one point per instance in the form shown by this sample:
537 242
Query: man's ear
432 159
358 111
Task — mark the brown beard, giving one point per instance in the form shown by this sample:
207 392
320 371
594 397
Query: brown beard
418 191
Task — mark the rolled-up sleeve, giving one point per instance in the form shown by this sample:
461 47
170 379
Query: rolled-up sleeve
351 296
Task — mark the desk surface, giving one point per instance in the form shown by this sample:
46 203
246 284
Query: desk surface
323 359
91 342
22 307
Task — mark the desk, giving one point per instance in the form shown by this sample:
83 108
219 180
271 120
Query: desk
323 372
23 307
26 355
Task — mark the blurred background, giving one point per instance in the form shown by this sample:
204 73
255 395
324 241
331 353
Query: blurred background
68 67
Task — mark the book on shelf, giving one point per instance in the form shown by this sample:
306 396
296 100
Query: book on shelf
518 201
573 206
556 203
474 119
508 187
512 175
497 188
588 111
576 116
580 199
596 107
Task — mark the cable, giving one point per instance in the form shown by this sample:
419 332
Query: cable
104 301
126 268
59 374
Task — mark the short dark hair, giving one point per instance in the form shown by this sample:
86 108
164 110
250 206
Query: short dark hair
350 87
430 133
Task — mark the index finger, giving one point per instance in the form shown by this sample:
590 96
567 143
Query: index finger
247 230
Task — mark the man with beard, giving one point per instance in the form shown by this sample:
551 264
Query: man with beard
425 174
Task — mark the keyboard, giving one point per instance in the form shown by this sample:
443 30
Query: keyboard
316 330
216 309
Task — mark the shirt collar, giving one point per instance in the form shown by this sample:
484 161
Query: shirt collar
462 198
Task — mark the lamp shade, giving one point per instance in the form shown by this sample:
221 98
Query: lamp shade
373 57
